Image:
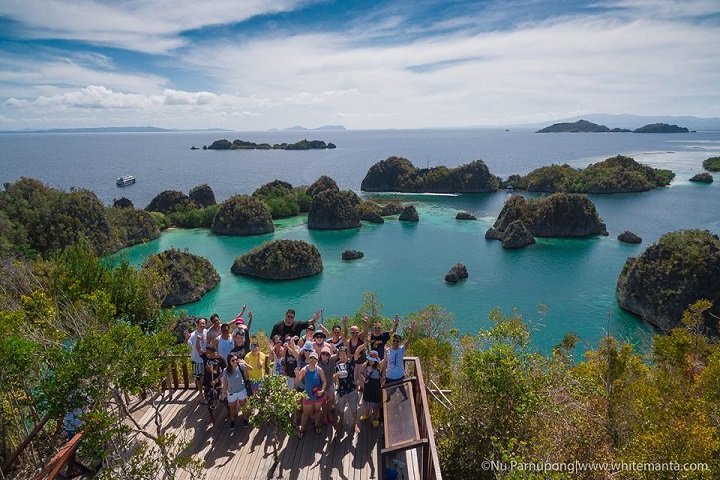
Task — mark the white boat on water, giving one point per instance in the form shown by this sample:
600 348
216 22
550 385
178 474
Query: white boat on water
125 180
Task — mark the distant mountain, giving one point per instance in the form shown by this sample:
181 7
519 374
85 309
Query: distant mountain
579 126
324 127
115 130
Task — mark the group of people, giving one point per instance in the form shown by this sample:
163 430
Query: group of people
340 369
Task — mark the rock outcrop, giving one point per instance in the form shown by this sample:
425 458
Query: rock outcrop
517 236
558 215
409 214
352 255
390 209
629 237
370 212
334 210
202 196
242 215
321 184
702 178
280 260
123 203
131 226
456 273
712 164
188 276
169 201
396 174
676 271
465 216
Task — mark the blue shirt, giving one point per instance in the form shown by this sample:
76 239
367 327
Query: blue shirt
395 363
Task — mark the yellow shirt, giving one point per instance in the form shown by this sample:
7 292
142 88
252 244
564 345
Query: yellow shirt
258 366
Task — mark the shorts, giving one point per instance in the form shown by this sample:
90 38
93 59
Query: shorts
307 402
234 397
291 382
349 399
255 384
198 369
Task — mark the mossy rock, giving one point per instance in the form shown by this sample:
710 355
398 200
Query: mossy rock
702 178
203 196
517 236
188 277
280 260
170 201
321 184
679 269
123 202
557 215
131 226
409 214
242 215
712 164
465 216
370 212
334 210
390 209
397 174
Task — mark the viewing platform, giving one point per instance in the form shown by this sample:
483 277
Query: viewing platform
246 453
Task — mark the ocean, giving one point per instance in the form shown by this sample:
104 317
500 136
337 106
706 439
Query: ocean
558 285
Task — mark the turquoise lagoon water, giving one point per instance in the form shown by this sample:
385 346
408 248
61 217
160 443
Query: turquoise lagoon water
561 285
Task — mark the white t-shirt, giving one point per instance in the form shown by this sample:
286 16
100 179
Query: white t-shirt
194 354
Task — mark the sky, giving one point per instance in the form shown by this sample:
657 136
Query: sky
256 64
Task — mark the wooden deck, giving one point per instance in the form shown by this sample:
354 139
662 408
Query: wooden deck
246 453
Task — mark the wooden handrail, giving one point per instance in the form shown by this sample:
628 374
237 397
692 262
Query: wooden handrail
15 454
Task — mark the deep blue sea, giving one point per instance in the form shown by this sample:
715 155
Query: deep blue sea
560 285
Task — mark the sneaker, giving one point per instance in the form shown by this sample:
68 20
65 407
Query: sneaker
232 425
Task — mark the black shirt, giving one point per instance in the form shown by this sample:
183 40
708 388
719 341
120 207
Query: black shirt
213 370
283 330
377 343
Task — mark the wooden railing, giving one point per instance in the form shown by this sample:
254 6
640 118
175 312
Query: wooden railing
421 436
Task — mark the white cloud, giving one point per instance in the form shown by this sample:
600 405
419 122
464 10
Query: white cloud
144 26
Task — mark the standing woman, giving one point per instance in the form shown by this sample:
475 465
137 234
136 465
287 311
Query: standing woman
233 387
315 385
372 394
278 355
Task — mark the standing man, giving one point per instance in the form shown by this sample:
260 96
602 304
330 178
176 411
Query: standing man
288 326
198 343
241 335
212 382
395 370
378 338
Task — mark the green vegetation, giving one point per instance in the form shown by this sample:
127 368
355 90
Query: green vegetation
396 174
242 215
304 144
187 277
614 175
280 260
202 195
36 219
170 201
322 183
712 164
679 269
282 199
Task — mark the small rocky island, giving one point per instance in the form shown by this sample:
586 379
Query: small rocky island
660 128
703 177
679 269
629 237
334 210
397 174
304 144
617 174
558 215
456 273
352 255
409 214
169 201
242 215
280 260
583 126
188 276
